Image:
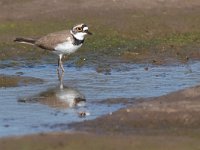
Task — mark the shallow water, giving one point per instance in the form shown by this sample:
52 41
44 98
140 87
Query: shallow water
124 80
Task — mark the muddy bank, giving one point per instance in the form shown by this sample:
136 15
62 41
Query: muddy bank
14 81
22 9
178 111
60 141
139 31
167 122
136 31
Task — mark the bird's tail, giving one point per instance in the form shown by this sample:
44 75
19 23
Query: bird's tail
25 40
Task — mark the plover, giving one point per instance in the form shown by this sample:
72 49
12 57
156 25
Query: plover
60 43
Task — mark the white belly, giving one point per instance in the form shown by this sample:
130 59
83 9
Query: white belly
66 48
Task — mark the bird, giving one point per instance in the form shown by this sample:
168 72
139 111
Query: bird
61 42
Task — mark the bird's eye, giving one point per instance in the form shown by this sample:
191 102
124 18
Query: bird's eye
79 29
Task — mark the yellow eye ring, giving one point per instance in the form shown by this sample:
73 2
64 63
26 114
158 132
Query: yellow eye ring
79 29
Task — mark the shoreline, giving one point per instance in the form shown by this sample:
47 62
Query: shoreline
172 116
170 112
157 32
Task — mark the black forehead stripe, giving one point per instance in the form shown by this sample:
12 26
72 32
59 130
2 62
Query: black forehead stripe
84 25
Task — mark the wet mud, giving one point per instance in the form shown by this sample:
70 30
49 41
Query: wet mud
169 121
161 33
14 81
157 32
175 112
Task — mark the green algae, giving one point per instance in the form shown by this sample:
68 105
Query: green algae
133 43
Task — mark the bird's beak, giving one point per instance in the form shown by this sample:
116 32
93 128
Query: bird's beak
88 32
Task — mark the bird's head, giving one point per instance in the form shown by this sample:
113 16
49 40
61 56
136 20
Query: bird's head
79 31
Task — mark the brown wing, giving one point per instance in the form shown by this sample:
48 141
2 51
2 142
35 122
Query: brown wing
50 41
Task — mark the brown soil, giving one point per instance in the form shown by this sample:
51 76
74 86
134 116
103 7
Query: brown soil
31 9
14 81
134 30
60 141
167 122
172 113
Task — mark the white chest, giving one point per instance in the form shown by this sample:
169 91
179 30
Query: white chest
67 48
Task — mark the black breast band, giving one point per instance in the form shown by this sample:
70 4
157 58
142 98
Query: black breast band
77 41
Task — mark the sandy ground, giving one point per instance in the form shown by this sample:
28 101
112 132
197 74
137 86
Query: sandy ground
167 122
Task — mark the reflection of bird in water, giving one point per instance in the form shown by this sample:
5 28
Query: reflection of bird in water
60 97
69 95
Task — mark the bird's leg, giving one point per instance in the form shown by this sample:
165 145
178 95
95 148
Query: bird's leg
60 65
60 78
